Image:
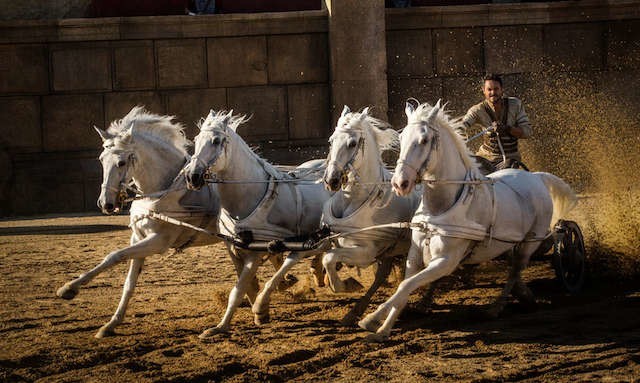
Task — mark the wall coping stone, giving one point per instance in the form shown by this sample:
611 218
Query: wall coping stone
165 27
483 15
152 27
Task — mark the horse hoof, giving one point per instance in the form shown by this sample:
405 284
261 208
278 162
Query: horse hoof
104 332
370 324
376 338
67 292
351 285
211 333
261 319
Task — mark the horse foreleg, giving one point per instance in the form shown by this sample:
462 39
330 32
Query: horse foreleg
153 244
436 269
251 263
238 264
135 268
261 305
381 275
360 256
287 280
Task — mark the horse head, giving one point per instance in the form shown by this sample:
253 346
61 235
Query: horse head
211 146
117 159
143 147
418 142
345 144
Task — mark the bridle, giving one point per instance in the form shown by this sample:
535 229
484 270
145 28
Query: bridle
125 185
206 174
348 166
433 146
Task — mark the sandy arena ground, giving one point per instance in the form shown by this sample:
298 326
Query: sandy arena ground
591 337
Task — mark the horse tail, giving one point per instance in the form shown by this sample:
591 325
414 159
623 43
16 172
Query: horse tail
562 195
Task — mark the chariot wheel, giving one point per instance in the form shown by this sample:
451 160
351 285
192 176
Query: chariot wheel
569 259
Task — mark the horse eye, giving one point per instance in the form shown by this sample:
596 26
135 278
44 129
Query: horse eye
351 144
121 163
422 140
216 140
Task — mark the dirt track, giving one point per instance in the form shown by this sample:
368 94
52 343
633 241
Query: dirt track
593 337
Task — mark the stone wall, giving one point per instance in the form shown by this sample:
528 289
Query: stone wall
60 77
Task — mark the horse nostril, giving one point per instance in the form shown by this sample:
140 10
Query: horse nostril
404 184
334 183
108 207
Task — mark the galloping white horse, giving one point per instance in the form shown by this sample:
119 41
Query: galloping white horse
465 216
260 204
150 150
355 164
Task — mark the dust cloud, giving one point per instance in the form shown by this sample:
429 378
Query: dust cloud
588 132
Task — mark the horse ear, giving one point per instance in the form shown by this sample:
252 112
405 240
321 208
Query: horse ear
126 137
408 109
365 111
432 114
104 135
345 110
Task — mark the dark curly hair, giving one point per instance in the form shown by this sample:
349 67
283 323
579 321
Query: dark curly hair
492 77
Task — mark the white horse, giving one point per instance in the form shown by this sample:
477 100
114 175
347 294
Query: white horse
355 164
465 216
260 204
150 150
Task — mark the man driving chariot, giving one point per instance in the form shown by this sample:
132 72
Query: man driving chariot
505 122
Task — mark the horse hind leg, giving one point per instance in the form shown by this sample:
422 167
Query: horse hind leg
383 271
519 260
135 268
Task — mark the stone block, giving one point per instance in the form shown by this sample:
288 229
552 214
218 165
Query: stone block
189 106
118 104
84 67
237 61
308 112
461 93
301 58
20 130
267 106
68 122
459 51
181 63
422 89
358 94
23 69
409 53
134 66
574 47
47 186
623 50
514 49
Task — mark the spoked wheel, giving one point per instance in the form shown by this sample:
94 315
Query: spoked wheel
569 256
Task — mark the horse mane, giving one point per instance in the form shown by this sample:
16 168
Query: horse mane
157 126
386 137
218 118
221 119
451 125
